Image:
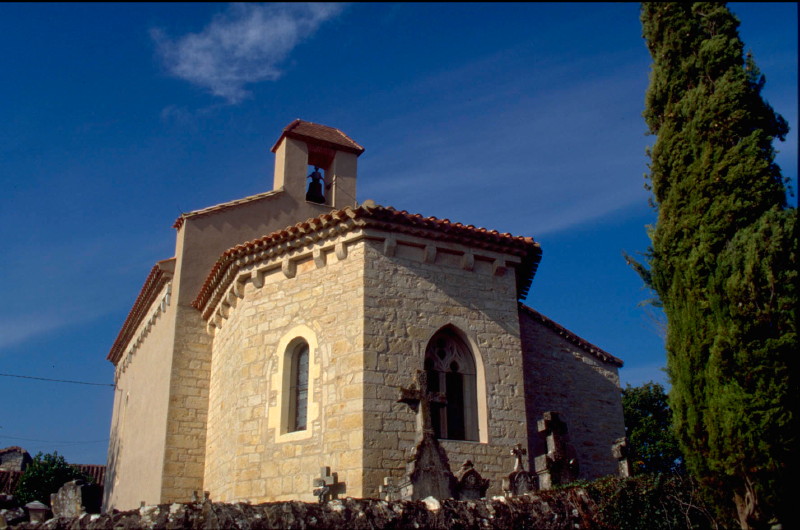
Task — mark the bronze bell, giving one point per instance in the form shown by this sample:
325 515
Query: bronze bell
314 193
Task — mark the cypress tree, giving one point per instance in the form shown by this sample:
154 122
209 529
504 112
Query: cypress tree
723 259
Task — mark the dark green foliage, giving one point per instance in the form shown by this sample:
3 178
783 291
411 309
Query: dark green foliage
648 426
724 257
652 500
45 475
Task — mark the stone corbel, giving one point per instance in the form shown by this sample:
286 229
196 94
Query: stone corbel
341 251
238 285
499 267
468 261
289 267
429 254
390 246
319 257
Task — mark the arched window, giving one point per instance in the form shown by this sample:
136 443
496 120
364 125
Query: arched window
298 388
451 370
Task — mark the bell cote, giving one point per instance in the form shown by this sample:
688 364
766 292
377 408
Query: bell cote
316 163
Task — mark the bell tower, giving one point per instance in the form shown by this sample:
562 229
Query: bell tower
316 163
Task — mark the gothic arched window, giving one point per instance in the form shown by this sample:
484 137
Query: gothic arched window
451 370
298 388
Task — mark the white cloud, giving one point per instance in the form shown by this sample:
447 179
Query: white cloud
245 44
17 330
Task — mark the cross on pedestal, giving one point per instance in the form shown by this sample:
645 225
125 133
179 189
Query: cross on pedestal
389 490
327 486
419 399
518 452
555 432
620 452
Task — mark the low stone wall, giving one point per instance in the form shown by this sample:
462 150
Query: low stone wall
561 509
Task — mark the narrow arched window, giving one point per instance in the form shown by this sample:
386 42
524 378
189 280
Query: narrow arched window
298 389
451 370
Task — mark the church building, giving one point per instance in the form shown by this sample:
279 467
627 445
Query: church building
278 338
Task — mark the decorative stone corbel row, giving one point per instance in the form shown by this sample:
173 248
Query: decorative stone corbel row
500 263
146 326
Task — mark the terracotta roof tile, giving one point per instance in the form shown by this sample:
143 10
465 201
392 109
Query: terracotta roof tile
159 275
98 473
12 449
371 215
328 136
572 337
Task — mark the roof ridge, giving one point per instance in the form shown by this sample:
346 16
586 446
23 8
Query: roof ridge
223 206
572 337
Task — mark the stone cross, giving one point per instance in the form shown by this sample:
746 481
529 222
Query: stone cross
620 452
327 486
419 399
519 482
389 490
428 469
518 452
555 432
560 464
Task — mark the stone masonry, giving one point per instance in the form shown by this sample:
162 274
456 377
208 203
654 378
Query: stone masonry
204 359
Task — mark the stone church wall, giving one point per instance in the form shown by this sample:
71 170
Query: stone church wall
410 295
186 420
249 456
139 418
560 376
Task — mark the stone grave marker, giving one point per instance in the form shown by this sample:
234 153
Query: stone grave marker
620 452
560 464
428 469
519 481
327 486
471 485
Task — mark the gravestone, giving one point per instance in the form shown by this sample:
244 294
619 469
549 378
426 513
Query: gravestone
519 481
76 498
390 491
560 464
428 468
327 486
38 512
620 452
471 485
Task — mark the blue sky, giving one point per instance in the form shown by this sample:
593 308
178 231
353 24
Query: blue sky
115 118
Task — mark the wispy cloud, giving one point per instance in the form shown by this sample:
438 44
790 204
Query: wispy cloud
20 329
243 45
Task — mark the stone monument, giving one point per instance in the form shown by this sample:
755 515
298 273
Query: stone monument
560 464
519 481
471 485
620 452
428 468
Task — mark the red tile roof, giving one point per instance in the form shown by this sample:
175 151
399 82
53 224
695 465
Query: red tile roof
159 275
374 216
12 449
98 473
9 479
572 337
319 134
